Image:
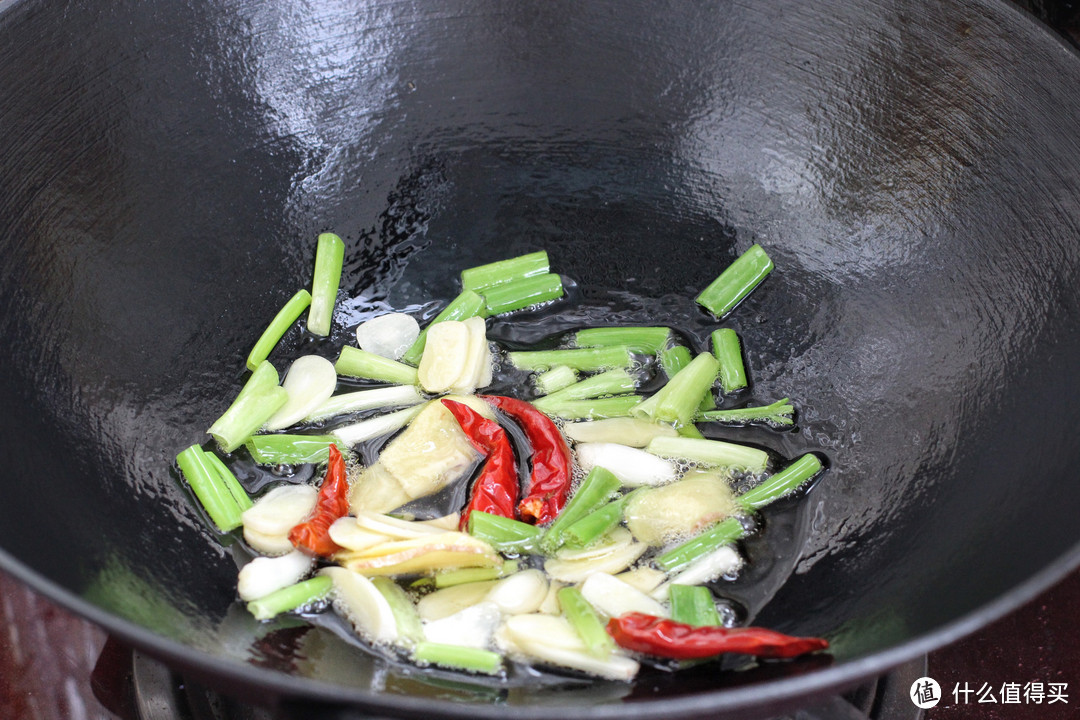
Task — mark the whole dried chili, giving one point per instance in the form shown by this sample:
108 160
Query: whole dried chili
669 639
496 490
550 479
313 535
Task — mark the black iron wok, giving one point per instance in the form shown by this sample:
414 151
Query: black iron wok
912 167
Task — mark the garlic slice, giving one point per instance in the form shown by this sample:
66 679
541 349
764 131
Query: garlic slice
473 626
388 335
520 593
309 382
357 599
613 597
276 512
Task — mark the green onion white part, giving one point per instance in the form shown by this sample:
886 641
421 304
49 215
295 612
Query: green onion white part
376 398
632 466
633 432
710 453
374 427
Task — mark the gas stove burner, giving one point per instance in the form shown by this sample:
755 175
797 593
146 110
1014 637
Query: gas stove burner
161 694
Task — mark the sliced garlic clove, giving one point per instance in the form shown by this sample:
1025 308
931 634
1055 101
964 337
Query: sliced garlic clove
520 593
310 382
613 597
472 626
357 599
278 511
388 335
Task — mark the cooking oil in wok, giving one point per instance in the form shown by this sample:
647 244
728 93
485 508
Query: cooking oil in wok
771 550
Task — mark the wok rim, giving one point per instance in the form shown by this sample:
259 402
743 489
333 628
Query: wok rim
782 692
785 692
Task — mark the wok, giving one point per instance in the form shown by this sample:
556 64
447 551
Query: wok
913 168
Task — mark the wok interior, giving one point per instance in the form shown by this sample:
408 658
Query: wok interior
911 169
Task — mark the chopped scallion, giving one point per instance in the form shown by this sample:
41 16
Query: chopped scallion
505 271
595 490
355 362
258 400
781 483
611 382
504 534
728 351
674 359
724 532
291 598
710 452
693 605
522 293
580 359
644 340
596 524
729 530
778 414
595 409
239 494
586 622
273 333
329 256
209 487
458 657
679 399
736 282
289 449
479 574
555 379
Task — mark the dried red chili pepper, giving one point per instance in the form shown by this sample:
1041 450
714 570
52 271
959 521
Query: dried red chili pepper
669 639
312 536
550 479
496 490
